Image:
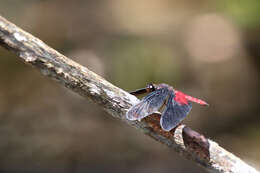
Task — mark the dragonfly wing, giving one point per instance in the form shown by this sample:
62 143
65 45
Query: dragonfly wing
174 113
148 105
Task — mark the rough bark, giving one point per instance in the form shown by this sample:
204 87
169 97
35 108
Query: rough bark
116 102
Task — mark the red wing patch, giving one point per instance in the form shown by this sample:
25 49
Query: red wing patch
180 98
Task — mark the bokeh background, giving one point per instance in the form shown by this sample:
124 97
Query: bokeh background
209 49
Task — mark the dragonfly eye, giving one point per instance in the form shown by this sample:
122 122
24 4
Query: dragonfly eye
150 88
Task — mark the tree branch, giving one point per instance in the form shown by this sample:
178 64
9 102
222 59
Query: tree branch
116 101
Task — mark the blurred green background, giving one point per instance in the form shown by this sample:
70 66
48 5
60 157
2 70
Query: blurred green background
208 49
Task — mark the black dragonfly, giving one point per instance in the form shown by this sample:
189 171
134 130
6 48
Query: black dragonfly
173 105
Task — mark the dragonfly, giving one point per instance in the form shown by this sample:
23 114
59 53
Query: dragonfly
171 104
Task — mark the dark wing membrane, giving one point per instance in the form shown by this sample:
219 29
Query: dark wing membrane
148 105
173 114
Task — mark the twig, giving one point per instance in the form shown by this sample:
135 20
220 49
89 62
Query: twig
116 101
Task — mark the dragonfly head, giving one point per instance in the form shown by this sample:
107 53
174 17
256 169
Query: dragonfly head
150 88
